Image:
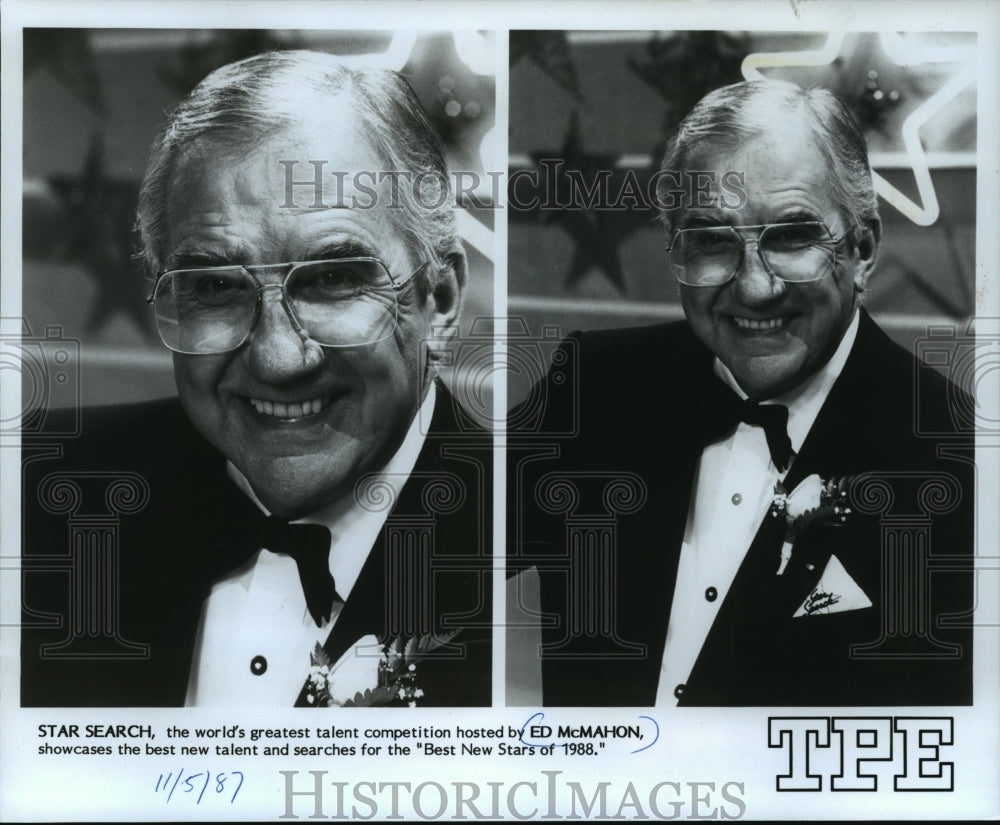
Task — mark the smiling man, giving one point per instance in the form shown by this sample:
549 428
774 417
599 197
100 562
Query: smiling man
301 397
802 264
310 497
765 552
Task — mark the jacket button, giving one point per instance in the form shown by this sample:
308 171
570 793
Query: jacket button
737 498
711 594
678 691
258 665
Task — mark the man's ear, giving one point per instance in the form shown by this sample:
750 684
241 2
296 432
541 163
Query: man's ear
445 298
869 241
448 291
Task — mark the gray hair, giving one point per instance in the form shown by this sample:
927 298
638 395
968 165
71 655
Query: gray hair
728 117
238 106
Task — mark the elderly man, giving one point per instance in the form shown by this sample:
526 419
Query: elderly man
311 503
773 537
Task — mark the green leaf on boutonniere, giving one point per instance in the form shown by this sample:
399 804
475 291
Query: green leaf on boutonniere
425 644
319 657
372 697
410 650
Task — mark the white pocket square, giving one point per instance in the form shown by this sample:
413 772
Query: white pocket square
835 592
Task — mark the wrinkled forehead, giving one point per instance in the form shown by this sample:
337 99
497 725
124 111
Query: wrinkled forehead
311 159
778 160
296 180
792 134
290 195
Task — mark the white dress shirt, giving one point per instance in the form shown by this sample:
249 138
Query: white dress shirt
732 492
256 633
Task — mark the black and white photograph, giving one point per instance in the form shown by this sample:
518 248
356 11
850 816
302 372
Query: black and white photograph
258 534
446 410
768 498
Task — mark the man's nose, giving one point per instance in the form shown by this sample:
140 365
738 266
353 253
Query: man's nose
753 283
278 351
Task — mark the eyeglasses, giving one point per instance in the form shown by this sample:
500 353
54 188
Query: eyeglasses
346 302
792 252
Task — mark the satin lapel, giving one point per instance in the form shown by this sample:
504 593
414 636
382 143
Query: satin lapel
716 675
823 451
364 613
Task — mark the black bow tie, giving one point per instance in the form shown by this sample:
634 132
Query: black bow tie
726 410
309 545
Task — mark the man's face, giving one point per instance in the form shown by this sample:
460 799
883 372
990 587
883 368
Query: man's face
772 335
302 422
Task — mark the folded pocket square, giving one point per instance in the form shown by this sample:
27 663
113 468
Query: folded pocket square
835 592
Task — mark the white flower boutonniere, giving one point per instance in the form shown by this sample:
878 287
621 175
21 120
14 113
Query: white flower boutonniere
371 673
814 500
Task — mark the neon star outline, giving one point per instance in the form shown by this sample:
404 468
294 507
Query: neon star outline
395 57
901 54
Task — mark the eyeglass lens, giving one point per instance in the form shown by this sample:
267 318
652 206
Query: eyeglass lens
336 303
794 252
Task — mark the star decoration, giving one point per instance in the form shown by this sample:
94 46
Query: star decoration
893 52
551 53
476 51
100 214
459 101
67 54
685 66
397 54
597 233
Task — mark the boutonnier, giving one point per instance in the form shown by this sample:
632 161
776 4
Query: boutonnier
371 673
814 500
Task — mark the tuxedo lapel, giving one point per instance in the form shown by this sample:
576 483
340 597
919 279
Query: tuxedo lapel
745 614
429 592
829 447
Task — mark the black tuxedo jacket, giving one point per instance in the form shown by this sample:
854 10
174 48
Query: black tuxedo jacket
125 532
600 503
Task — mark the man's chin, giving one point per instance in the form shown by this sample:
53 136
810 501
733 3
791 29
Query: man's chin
291 504
765 377
293 487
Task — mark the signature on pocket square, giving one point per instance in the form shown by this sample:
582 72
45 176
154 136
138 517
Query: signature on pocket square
835 592
818 600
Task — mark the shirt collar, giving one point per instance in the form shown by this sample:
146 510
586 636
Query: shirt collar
805 400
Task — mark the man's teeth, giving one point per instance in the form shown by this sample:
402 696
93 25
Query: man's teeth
293 410
758 325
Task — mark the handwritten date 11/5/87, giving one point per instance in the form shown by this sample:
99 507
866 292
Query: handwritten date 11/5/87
222 784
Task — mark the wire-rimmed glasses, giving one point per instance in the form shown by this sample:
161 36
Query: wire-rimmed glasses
343 302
